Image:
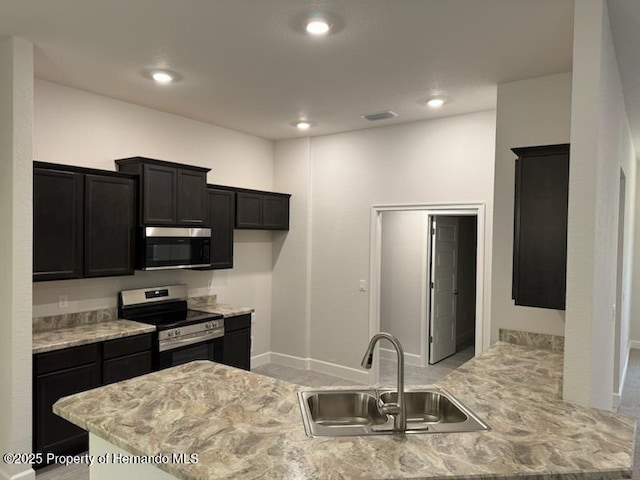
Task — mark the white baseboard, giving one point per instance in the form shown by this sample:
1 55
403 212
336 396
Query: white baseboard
353 374
261 359
28 474
409 358
290 360
356 375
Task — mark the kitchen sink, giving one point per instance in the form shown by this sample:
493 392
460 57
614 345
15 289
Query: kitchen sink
359 412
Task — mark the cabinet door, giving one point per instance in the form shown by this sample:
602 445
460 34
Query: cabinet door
57 224
236 350
275 212
540 226
53 433
222 217
159 195
109 226
192 198
248 210
129 366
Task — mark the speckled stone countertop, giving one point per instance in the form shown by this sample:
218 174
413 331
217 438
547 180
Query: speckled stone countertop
247 426
60 338
209 304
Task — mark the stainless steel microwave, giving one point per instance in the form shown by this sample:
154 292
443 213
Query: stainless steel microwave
164 248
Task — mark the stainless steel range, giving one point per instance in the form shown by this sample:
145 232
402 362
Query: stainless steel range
182 335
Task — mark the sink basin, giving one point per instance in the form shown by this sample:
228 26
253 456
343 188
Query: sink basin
358 412
435 410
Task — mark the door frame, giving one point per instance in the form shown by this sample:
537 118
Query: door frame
477 209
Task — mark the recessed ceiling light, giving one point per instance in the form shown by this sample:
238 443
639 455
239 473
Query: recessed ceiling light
318 27
303 125
435 102
162 77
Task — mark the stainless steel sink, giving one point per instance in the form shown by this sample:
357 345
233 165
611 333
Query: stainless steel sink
359 412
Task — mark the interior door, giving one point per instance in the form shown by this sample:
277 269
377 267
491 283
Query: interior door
443 287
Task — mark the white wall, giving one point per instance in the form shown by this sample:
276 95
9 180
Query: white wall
444 160
529 112
290 309
79 128
16 123
600 147
403 266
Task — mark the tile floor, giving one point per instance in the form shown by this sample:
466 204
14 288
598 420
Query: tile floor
629 405
630 400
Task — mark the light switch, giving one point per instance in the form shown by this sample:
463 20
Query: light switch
363 285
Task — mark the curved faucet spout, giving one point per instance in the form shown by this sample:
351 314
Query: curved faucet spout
399 410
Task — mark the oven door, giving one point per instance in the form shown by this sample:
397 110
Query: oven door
168 248
207 350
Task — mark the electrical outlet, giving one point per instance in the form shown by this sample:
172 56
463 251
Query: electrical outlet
63 301
253 318
210 283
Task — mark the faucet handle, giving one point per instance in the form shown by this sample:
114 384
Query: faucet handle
390 408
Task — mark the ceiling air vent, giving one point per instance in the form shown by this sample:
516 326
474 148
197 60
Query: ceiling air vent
373 117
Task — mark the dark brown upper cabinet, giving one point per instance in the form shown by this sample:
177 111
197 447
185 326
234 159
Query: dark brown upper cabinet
171 194
109 225
57 224
540 226
222 218
262 210
83 222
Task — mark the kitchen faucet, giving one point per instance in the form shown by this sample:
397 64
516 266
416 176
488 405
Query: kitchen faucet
398 409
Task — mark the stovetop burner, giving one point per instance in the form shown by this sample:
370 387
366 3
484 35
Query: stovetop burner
164 307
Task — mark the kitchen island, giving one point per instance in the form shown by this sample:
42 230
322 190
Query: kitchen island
243 425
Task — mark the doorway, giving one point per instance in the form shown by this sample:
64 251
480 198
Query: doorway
414 306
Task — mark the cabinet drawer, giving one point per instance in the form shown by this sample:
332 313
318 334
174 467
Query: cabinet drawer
233 324
123 368
126 346
67 358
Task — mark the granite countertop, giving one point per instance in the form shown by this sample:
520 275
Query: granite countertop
209 304
247 426
59 338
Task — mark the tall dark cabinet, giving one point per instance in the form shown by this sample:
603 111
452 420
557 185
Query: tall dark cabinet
222 218
540 226
83 222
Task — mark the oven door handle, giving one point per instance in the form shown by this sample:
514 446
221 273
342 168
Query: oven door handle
174 343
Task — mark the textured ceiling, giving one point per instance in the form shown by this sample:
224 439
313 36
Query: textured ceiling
247 64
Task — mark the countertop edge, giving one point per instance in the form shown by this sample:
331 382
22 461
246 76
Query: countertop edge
129 329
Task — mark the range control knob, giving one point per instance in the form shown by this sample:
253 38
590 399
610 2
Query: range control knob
177 332
208 325
170 334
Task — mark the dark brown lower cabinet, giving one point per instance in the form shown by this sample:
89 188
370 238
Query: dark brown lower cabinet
73 370
125 358
236 347
58 374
